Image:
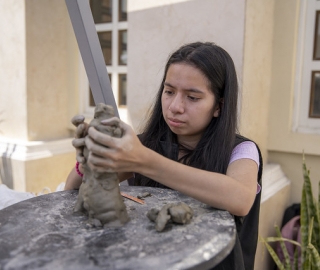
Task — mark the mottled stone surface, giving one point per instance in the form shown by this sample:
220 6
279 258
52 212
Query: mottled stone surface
44 233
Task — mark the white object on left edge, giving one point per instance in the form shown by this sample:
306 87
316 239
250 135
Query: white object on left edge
9 196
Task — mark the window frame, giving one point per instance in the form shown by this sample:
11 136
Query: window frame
305 64
312 94
114 70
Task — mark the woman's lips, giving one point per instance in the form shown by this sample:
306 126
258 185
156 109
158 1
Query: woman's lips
175 122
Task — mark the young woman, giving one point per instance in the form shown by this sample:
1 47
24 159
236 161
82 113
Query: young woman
189 143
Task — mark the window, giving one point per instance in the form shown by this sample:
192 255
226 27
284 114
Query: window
110 17
122 89
314 109
316 42
307 88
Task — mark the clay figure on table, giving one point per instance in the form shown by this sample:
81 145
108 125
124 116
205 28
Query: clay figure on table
180 213
99 194
190 143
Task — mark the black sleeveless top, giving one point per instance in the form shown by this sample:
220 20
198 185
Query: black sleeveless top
243 254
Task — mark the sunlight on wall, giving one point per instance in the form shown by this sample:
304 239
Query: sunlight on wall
145 4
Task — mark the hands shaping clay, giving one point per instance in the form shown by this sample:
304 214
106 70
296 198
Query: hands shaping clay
176 212
99 194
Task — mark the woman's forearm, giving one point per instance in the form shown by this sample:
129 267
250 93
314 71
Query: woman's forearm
235 194
122 176
73 180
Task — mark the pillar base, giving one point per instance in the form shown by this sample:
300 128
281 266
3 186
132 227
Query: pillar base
31 166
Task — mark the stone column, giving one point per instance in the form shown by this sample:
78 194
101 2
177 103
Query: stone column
37 91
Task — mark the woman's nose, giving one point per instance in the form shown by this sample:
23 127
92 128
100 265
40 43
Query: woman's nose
177 105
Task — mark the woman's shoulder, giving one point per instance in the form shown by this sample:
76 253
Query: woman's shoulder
240 139
245 148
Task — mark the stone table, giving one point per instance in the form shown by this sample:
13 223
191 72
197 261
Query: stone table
44 233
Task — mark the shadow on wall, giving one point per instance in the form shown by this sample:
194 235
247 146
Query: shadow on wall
6 167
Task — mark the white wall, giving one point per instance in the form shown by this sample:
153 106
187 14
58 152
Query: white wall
157 28
13 78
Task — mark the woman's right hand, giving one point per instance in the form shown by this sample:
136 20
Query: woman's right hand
79 141
112 154
74 180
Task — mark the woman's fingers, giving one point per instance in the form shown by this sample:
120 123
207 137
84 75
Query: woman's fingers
101 138
77 120
100 164
82 127
104 152
113 153
79 157
113 121
96 148
78 142
82 130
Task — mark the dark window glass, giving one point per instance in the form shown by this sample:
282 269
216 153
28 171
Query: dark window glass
122 10
101 10
122 89
106 46
314 111
316 42
123 47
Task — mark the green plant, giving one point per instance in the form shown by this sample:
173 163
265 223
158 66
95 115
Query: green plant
309 230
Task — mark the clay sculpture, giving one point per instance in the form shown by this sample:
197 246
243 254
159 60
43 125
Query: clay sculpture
99 194
179 213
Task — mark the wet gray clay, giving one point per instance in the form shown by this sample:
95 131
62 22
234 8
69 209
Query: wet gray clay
99 194
179 213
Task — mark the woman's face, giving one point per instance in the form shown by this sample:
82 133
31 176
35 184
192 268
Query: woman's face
188 104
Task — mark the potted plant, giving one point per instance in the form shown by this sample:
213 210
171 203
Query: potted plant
306 251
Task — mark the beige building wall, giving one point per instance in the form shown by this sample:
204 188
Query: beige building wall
46 70
37 93
291 164
257 72
286 146
254 116
48 172
13 92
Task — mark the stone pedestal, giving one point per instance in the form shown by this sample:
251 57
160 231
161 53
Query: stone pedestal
44 233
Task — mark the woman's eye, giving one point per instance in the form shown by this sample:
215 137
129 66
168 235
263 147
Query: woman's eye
193 98
169 92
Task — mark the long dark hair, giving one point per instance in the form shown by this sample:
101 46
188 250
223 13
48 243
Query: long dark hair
214 149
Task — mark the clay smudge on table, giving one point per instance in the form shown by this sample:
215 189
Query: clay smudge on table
179 213
99 194
144 195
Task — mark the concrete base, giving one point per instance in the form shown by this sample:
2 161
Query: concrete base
31 166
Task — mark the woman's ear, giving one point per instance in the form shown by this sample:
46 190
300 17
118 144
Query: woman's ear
217 110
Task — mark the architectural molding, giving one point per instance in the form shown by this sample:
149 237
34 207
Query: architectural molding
32 150
273 180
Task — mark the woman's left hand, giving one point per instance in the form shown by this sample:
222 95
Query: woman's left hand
111 154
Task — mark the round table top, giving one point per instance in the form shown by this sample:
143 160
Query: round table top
44 233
